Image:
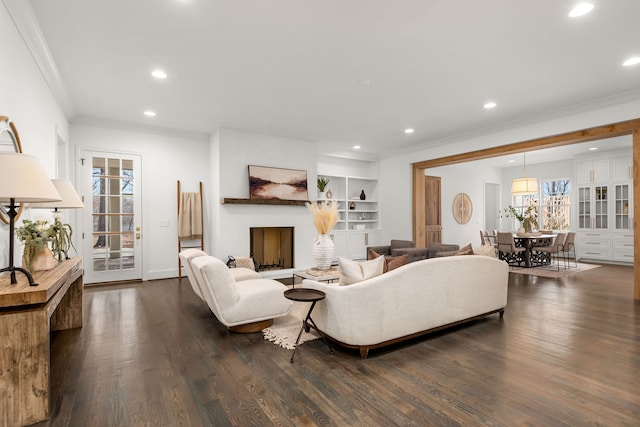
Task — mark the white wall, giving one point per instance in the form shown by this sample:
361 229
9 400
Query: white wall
234 151
395 172
462 179
28 102
165 160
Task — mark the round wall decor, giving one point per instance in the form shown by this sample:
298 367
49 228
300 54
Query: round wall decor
462 208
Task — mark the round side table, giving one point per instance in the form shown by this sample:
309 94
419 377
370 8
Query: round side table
312 296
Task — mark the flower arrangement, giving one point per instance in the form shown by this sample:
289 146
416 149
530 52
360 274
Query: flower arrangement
35 235
528 217
325 215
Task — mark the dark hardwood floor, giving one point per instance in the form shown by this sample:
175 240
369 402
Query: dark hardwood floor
152 354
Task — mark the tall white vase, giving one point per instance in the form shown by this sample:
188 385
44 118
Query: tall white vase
323 250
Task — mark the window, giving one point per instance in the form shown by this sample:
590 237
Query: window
555 205
520 203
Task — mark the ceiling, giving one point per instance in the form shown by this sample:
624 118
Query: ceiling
337 72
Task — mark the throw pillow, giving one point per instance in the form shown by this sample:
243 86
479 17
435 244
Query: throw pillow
486 250
390 262
245 262
467 250
354 271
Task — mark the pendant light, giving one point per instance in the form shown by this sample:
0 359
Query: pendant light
524 185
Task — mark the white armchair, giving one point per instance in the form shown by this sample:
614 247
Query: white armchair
242 306
188 255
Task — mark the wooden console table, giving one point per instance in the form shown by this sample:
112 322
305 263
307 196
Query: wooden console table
27 315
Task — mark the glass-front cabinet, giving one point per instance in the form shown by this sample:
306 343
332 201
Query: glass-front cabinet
593 207
623 207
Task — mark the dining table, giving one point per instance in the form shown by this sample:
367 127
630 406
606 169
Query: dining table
528 241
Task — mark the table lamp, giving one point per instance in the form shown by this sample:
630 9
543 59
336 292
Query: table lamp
70 200
23 179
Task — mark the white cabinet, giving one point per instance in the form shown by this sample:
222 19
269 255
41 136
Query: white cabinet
341 243
622 249
593 207
604 210
593 245
593 171
622 169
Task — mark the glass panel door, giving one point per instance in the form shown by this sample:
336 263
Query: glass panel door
112 241
601 207
623 207
584 208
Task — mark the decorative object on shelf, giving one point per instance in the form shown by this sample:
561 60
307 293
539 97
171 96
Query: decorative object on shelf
462 208
62 233
524 185
277 183
362 195
24 180
325 216
329 195
322 183
352 205
528 218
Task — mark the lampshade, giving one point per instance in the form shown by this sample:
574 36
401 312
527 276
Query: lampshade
524 186
24 179
70 199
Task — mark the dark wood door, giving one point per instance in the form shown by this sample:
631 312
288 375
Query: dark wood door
433 217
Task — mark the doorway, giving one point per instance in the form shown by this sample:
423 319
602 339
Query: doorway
491 206
112 217
432 210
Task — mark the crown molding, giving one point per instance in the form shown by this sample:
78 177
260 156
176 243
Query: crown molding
27 25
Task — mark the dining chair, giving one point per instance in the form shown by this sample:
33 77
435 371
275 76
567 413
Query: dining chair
507 250
569 247
555 248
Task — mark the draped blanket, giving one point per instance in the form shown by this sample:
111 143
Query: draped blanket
190 216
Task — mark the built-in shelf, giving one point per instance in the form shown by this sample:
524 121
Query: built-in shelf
232 201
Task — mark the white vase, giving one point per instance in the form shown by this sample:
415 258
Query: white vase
323 250
322 195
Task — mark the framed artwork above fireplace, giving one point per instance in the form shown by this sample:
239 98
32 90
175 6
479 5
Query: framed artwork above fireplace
277 183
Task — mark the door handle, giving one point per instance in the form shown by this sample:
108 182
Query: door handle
138 236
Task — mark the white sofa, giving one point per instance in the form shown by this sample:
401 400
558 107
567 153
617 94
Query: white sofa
411 300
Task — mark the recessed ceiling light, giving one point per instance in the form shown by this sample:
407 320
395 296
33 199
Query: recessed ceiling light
150 113
356 147
581 9
490 105
159 74
632 61
593 148
408 130
510 161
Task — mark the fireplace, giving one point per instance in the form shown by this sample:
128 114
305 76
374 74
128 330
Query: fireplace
272 247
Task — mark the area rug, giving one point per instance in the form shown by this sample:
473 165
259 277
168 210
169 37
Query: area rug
285 329
548 272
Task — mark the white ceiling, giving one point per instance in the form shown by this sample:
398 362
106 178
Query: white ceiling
295 68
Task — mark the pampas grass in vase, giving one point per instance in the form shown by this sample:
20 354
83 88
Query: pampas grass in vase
325 216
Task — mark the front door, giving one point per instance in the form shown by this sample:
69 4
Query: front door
112 245
433 218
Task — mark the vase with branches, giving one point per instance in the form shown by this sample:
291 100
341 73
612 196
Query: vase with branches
527 216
